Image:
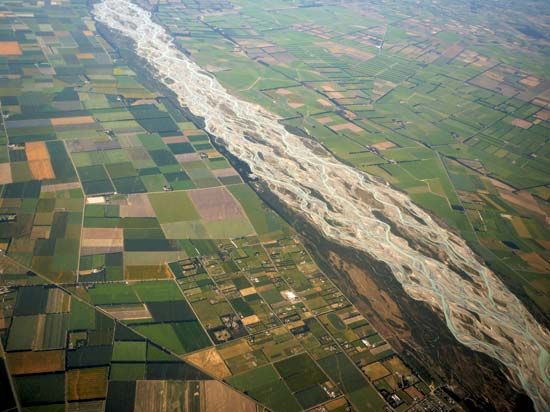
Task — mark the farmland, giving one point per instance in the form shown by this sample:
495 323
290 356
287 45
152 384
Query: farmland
141 272
138 258
460 129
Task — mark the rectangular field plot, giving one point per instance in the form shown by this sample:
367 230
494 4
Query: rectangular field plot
304 378
156 309
265 385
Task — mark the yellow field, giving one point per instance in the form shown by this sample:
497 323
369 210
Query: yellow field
89 383
147 272
375 371
39 160
520 227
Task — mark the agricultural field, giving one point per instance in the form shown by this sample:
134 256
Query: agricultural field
139 272
430 104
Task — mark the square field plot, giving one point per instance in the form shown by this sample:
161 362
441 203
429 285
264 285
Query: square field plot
173 207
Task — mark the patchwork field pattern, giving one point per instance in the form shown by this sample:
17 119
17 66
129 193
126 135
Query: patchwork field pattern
454 116
139 272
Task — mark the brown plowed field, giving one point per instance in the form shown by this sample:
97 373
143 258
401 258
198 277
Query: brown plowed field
21 363
221 398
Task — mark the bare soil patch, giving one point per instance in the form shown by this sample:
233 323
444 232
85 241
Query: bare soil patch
167 396
414 393
248 291
41 169
283 92
85 56
525 200
150 396
111 238
215 204
227 172
187 157
384 145
530 81
536 261
381 302
336 404
522 124
324 119
210 361
71 121
221 398
347 126
543 115
375 371
175 139
137 205
40 232
5 174
10 48
60 187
